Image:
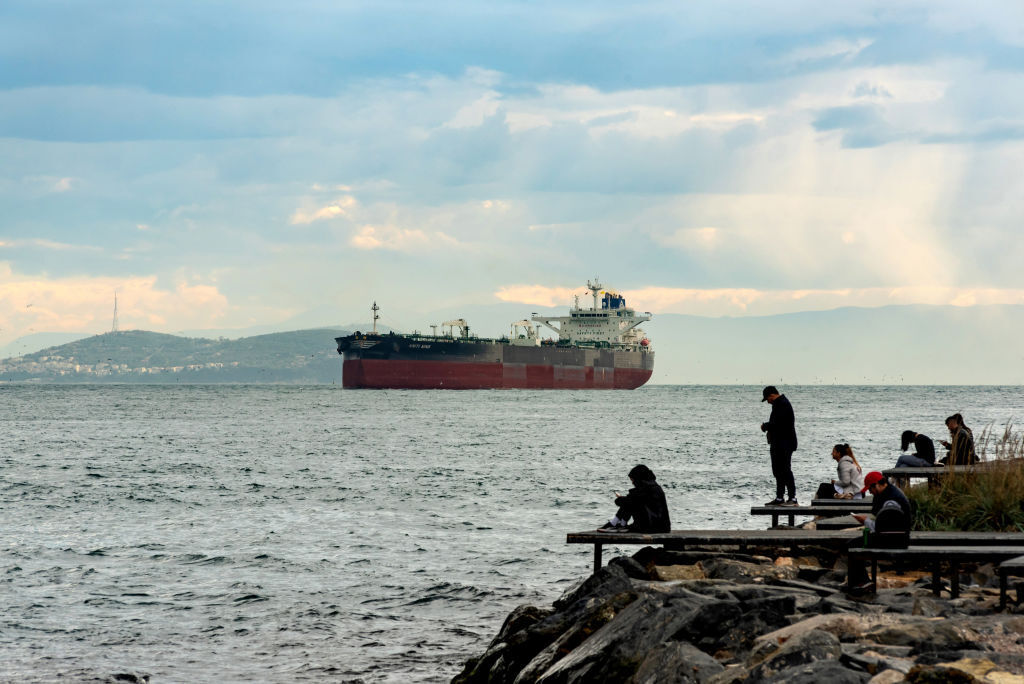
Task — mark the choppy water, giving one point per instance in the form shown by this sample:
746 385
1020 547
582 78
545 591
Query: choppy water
278 533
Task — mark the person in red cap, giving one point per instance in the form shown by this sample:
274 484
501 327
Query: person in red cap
882 491
885 496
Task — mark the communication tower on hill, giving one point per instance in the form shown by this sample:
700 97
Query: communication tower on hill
113 328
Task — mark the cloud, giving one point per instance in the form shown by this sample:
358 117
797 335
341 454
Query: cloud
753 301
340 207
538 295
85 304
691 238
831 50
399 239
42 243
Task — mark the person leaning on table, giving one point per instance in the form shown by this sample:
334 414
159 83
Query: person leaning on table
886 495
882 491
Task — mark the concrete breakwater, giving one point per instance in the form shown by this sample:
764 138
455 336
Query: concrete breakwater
663 616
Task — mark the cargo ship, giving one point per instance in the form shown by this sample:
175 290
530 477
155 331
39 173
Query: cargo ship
600 347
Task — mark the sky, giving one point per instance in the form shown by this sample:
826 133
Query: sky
226 164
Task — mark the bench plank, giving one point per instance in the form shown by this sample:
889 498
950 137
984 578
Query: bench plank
821 511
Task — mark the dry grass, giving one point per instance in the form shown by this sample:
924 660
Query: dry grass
990 498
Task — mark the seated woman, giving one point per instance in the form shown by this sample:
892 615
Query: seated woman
961 444
925 455
850 483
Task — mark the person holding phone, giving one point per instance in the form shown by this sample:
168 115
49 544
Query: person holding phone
645 504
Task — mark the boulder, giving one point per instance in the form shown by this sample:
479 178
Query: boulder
576 632
829 671
608 581
616 650
676 662
842 626
740 571
921 634
632 568
669 573
803 649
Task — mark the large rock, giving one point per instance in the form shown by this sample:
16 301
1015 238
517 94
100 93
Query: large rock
819 672
506 657
575 633
676 662
608 581
841 625
631 567
802 649
669 573
922 635
616 651
739 571
727 629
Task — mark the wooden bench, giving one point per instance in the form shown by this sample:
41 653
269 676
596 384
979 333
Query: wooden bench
838 540
902 476
1013 566
935 555
831 510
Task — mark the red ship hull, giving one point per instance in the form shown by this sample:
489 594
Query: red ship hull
422 374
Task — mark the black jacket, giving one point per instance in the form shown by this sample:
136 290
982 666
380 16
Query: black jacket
891 493
646 504
961 451
925 448
781 425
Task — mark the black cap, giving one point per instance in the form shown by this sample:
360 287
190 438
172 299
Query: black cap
768 391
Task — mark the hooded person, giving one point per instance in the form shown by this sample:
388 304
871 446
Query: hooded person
644 503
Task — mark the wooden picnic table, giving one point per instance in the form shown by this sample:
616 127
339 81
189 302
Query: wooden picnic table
935 555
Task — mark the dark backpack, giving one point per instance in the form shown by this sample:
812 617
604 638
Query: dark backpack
892 528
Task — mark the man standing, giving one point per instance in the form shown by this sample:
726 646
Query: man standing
781 432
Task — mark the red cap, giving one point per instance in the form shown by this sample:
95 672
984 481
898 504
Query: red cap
872 478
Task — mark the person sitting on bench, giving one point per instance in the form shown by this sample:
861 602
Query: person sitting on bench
925 454
889 525
850 484
882 490
644 503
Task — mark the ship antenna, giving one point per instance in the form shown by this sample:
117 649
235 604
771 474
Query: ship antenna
113 328
375 309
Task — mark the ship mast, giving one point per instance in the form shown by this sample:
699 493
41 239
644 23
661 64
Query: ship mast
594 289
375 309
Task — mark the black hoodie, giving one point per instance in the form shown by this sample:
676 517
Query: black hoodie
645 503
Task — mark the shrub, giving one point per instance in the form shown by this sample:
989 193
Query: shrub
989 499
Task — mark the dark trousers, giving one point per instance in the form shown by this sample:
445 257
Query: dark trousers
783 471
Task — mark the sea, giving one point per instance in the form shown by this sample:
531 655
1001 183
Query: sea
284 533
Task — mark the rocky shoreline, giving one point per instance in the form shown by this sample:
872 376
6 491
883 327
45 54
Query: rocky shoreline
720 617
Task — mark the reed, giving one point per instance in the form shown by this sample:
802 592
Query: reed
990 498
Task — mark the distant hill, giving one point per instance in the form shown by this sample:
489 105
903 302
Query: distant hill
299 357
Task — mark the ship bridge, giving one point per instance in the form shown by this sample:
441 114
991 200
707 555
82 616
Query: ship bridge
608 322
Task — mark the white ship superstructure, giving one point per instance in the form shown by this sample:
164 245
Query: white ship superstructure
613 324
